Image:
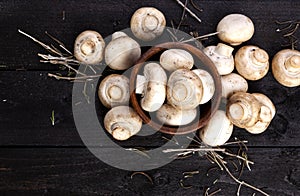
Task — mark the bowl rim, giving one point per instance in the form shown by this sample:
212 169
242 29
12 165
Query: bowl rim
215 101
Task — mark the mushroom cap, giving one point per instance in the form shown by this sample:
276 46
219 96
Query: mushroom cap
173 59
252 62
218 130
184 89
88 48
233 83
122 52
114 90
286 67
154 87
122 122
147 23
235 29
208 85
267 113
243 109
169 115
221 56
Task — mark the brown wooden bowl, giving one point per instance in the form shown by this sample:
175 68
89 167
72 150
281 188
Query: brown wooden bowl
206 110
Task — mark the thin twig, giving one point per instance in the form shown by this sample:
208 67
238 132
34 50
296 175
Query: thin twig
40 43
196 6
59 43
200 37
144 174
189 11
237 180
193 150
182 16
73 78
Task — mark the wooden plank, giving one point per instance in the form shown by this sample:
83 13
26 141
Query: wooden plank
67 19
28 98
36 171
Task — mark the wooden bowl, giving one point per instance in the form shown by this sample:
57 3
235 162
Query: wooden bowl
206 110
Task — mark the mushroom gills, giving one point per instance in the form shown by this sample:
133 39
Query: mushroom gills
184 89
252 62
114 91
286 67
266 114
122 122
147 23
89 47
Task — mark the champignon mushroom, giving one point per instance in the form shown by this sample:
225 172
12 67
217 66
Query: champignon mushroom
174 59
169 115
266 114
114 90
286 67
154 92
243 109
218 130
221 56
88 48
147 23
184 89
207 83
122 122
233 83
235 29
122 52
252 62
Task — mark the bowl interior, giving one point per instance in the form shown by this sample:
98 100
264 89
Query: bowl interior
205 111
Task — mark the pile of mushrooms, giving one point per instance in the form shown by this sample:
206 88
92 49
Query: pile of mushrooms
173 89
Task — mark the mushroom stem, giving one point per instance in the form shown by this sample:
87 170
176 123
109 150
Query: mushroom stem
120 132
292 64
260 57
224 50
140 82
238 111
150 23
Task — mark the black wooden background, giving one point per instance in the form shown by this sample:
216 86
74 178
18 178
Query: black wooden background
37 158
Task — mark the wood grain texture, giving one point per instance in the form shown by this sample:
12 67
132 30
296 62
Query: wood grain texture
37 158
77 172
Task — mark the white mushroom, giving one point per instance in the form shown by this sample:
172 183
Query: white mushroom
88 48
122 52
207 83
174 59
266 114
122 122
218 130
286 67
252 62
169 115
221 56
235 29
114 91
243 109
154 93
233 83
147 23
184 89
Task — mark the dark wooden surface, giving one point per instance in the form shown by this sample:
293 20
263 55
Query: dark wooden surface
37 158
